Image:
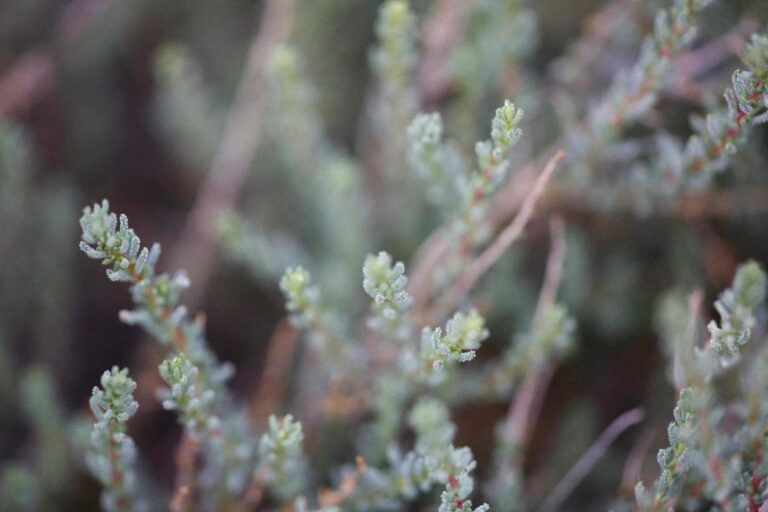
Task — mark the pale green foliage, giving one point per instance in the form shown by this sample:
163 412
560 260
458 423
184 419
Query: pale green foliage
463 335
736 307
393 61
112 458
195 376
552 337
19 489
433 461
302 297
282 459
504 128
674 460
756 55
709 458
265 253
432 160
473 190
120 250
491 154
392 367
717 136
187 109
431 421
226 440
186 396
36 320
395 58
325 182
155 295
500 34
323 328
115 400
293 101
476 188
384 281
633 93
446 465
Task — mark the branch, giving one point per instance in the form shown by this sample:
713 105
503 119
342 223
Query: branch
186 456
492 253
196 248
32 76
634 463
554 272
440 32
587 461
708 57
274 378
524 411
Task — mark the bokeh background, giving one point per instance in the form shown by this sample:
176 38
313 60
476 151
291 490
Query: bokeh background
128 100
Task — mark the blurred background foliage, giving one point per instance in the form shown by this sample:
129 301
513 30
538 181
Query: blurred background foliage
128 100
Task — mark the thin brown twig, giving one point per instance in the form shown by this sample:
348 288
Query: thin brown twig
599 30
427 256
690 206
256 491
196 249
488 257
553 274
587 461
440 32
524 411
180 500
274 379
683 353
633 466
347 487
511 195
707 57
30 77
186 456
33 74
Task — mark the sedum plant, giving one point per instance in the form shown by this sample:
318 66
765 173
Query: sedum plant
404 365
282 457
716 448
113 454
406 358
233 464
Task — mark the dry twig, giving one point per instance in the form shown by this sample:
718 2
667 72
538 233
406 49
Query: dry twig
440 32
33 74
347 487
524 410
488 257
587 461
196 250
553 274
634 463
274 379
